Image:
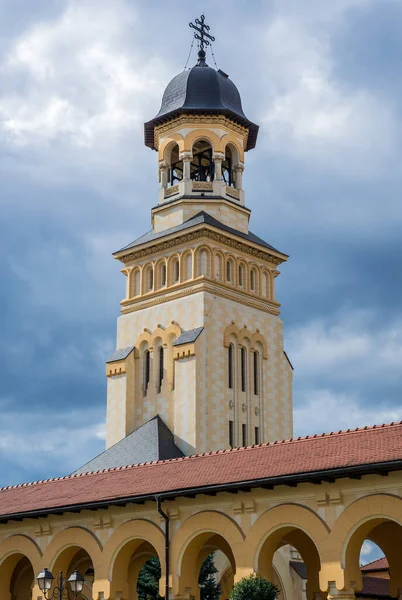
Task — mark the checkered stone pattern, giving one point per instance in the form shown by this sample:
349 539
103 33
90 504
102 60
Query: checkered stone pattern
199 406
275 404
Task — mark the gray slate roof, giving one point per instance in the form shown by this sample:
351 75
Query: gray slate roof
198 219
152 441
187 337
300 568
204 90
120 354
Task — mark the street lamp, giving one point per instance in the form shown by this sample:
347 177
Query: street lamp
45 581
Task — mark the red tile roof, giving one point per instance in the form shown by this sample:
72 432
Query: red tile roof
356 448
376 565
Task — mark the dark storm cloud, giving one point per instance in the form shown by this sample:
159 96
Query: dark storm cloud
78 79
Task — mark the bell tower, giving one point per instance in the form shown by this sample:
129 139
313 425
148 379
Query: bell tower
200 340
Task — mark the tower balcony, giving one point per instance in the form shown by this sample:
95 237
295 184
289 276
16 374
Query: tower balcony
192 188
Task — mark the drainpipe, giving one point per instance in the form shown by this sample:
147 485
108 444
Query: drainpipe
167 548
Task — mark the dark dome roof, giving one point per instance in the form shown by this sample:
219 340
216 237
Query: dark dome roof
201 90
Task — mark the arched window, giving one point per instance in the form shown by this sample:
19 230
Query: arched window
256 369
189 266
137 283
161 368
202 165
227 167
175 166
229 271
252 280
264 284
176 271
217 267
204 263
243 369
163 275
241 275
230 366
150 279
147 370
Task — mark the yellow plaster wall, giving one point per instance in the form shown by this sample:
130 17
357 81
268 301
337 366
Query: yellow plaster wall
198 403
245 527
165 217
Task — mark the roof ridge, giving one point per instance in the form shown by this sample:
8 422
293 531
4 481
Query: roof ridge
374 561
212 453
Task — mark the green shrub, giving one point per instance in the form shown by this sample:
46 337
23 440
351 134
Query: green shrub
254 587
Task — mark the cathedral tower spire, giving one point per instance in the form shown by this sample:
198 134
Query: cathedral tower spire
201 134
200 341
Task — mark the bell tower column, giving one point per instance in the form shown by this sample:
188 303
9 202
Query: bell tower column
200 340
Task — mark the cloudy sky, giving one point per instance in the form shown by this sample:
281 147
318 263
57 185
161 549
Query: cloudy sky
77 81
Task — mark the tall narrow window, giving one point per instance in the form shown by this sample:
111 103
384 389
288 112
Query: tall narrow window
189 266
161 366
137 283
244 434
231 434
256 364
257 435
176 271
150 279
252 280
217 265
230 366
264 284
229 271
240 275
243 369
204 263
147 369
163 275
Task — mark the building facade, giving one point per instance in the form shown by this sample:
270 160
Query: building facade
200 340
200 370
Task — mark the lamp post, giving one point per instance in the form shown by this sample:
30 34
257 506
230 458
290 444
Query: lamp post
45 582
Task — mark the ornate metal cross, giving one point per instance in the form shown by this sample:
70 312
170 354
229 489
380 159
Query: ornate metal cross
202 30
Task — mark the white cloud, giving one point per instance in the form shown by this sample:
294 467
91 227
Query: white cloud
77 92
50 442
314 115
369 552
323 410
350 349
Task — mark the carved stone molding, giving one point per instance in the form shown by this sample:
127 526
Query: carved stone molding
205 285
195 235
171 190
203 185
199 120
231 191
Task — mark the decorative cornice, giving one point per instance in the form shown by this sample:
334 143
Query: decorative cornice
204 232
210 200
116 368
200 120
194 286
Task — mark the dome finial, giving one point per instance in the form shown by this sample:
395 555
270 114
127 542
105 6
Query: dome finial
201 34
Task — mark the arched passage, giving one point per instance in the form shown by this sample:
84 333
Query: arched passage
199 536
287 525
128 549
20 562
377 518
75 548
